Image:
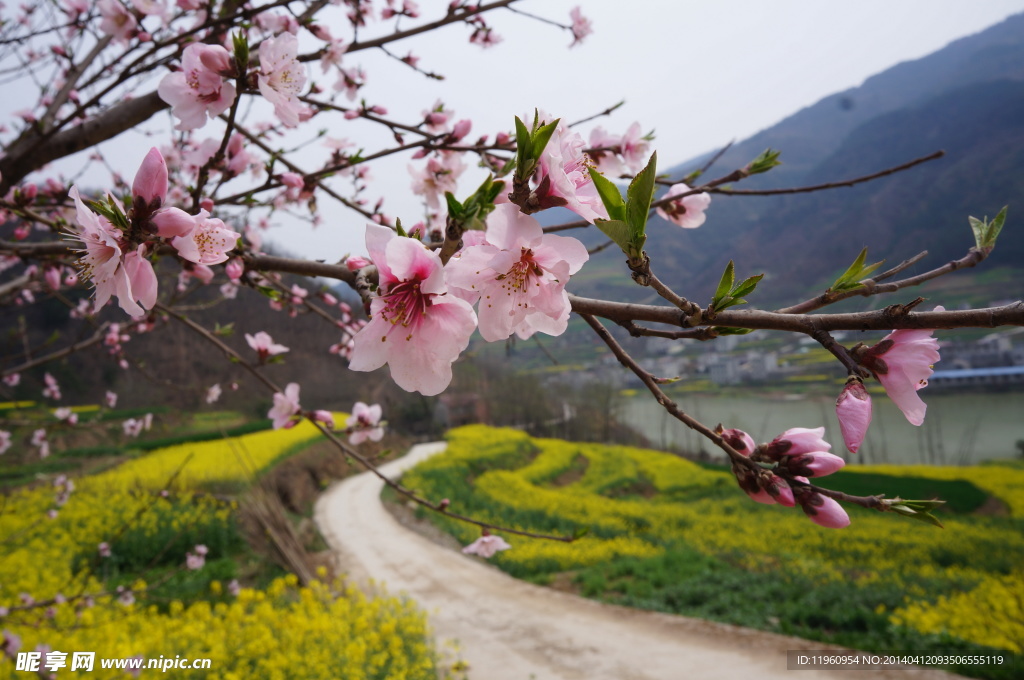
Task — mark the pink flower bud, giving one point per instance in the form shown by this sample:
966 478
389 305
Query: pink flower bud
206 204
324 417
217 59
817 464
461 129
150 184
292 179
436 118
234 268
796 441
171 222
825 512
52 276
853 408
356 262
739 440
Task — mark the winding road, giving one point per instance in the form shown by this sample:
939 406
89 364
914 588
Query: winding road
512 630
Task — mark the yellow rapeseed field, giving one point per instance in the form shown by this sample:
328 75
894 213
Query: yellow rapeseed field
285 631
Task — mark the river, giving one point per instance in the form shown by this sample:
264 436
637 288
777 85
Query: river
959 429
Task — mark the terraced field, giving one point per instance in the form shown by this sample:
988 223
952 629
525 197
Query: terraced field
665 534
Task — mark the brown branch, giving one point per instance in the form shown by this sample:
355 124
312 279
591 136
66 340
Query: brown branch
455 17
886 319
606 112
830 185
112 122
61 353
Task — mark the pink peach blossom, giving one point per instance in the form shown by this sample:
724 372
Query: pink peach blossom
282 77
439 176
118 21
603 152
264 345
198 90
208 242
52 389
111 271
687 212
285 406
415 327
902 362
581 26
213 393
519 276
486 546
364 423
634 148
563 176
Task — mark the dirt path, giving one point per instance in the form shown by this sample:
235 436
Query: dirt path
512 630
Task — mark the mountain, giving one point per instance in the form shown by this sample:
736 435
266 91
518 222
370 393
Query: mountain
967 99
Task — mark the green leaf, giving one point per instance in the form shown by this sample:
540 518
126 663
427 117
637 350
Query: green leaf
724 284
747 286
580 532
985 232
542 136
768 159
241 44
728 295
271 293
855 273
730 330
616 230
454 207
919 510
639 196
925 517
610 195
523 146
224 331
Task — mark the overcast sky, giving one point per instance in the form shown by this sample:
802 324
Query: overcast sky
698 73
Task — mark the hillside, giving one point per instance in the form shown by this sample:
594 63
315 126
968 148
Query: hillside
967 99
